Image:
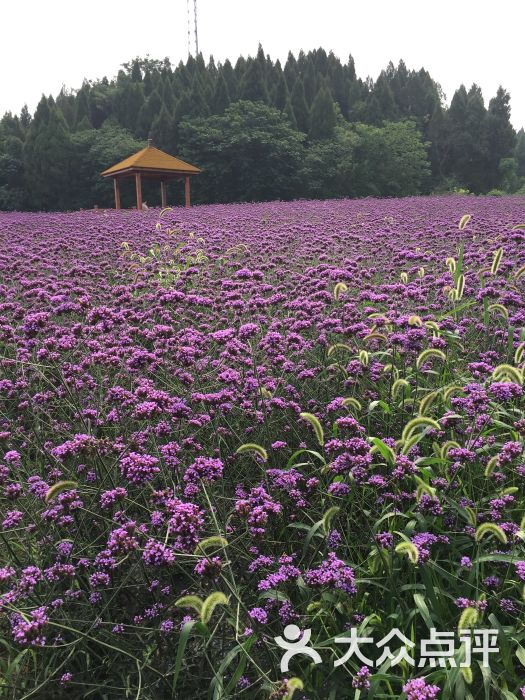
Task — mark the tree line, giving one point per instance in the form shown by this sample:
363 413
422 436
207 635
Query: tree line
261 130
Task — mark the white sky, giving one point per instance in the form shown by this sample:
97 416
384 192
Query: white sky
47 43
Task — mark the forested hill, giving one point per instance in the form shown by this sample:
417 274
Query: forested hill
260 130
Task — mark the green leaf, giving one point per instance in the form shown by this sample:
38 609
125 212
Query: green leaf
311 532
387 452
422 606
382 405
291 461
183 640
217 690
328 516
520 653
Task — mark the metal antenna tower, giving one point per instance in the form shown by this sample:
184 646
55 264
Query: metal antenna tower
196 34
189 34
195 31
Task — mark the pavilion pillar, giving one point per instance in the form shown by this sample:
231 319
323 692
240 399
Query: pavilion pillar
138 187
116 190
163 194
187 191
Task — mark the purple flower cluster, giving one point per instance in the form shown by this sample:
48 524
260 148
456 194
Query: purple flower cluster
332 573
138 468
417 689
361 680
29 632
202 469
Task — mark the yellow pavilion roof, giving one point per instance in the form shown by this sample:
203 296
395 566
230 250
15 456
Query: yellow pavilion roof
151 158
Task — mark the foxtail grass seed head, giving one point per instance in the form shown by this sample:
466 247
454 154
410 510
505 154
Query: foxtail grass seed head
464 221
500 310
451 264
209 605
340 288
409 550
468 619
364 358
487 529
253 447
496 261
316 425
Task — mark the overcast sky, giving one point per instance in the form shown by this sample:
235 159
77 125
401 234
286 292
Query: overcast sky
47 43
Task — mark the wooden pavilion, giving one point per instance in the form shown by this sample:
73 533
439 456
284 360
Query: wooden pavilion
151 163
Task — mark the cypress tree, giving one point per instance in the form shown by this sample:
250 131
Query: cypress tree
290 71
10 126
261 60
240 69
501 137
477 170
183 108
25 118
466 139
358 97
310 82
181 78
229 78
212 69
168 97
199 104
82 110
281 94
162 131
253 86
338 83
350 73
67 106
320 61
437 137
322 115
148 83
100 107
301 62
47 154
289 113
398 80
149 111
221 98
454 132
382 103
136 74
300 108
130 101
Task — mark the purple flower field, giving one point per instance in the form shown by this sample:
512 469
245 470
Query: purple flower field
219 422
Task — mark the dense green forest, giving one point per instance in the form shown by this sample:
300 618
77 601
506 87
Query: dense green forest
260 130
